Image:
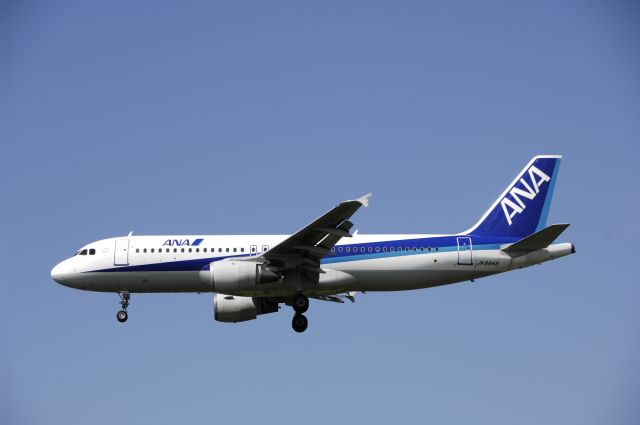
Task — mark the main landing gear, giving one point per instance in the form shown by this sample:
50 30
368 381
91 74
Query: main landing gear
299 322
300 305
122 315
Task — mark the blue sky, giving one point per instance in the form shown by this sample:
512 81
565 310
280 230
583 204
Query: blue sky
255 117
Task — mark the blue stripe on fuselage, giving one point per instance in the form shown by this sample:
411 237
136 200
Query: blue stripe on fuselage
169 266
387 254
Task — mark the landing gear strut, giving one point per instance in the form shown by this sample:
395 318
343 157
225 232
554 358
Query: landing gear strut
122 315
300 304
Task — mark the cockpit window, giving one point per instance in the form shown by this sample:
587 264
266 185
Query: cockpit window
92 251
83 252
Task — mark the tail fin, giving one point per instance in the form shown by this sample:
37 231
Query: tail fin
523 207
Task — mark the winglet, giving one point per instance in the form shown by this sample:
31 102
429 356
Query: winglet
364 200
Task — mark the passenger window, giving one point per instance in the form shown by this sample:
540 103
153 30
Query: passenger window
144 250
333 249
347 249
415 249
197 249
227 249
219 249
241 249
370 249
204 249
361 249
429 249
189 249
377 249
339 249
167 250
137 249
393 248
175 249
181 249
384 249
235 250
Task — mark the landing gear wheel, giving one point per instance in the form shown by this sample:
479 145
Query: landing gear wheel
299 322
300 303
122 316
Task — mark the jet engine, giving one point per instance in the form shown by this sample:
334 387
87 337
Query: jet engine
232 276
231 308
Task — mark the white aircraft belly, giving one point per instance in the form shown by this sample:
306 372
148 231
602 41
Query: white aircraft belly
407 272
157 281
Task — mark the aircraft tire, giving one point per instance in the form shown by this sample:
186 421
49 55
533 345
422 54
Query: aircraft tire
300 303
122 316
299 323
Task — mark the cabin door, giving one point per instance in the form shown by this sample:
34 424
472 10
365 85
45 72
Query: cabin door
121 253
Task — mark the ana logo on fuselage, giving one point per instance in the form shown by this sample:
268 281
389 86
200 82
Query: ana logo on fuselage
511 208
182 242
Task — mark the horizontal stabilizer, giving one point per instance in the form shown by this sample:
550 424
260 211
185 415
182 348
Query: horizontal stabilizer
538 240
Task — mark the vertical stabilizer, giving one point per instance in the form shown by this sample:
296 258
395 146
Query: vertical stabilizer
522 208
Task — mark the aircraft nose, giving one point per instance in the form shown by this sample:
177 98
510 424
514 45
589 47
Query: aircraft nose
58 274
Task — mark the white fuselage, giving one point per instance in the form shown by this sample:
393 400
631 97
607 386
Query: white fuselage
360 263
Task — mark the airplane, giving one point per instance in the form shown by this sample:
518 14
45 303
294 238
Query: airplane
252 275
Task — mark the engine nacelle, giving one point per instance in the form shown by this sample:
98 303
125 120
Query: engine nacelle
232 276
233 309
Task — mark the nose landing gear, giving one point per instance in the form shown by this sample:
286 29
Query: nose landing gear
122 315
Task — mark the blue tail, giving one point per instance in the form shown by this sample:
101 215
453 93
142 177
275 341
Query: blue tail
523 207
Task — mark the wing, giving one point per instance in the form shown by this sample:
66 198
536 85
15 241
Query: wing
305 248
